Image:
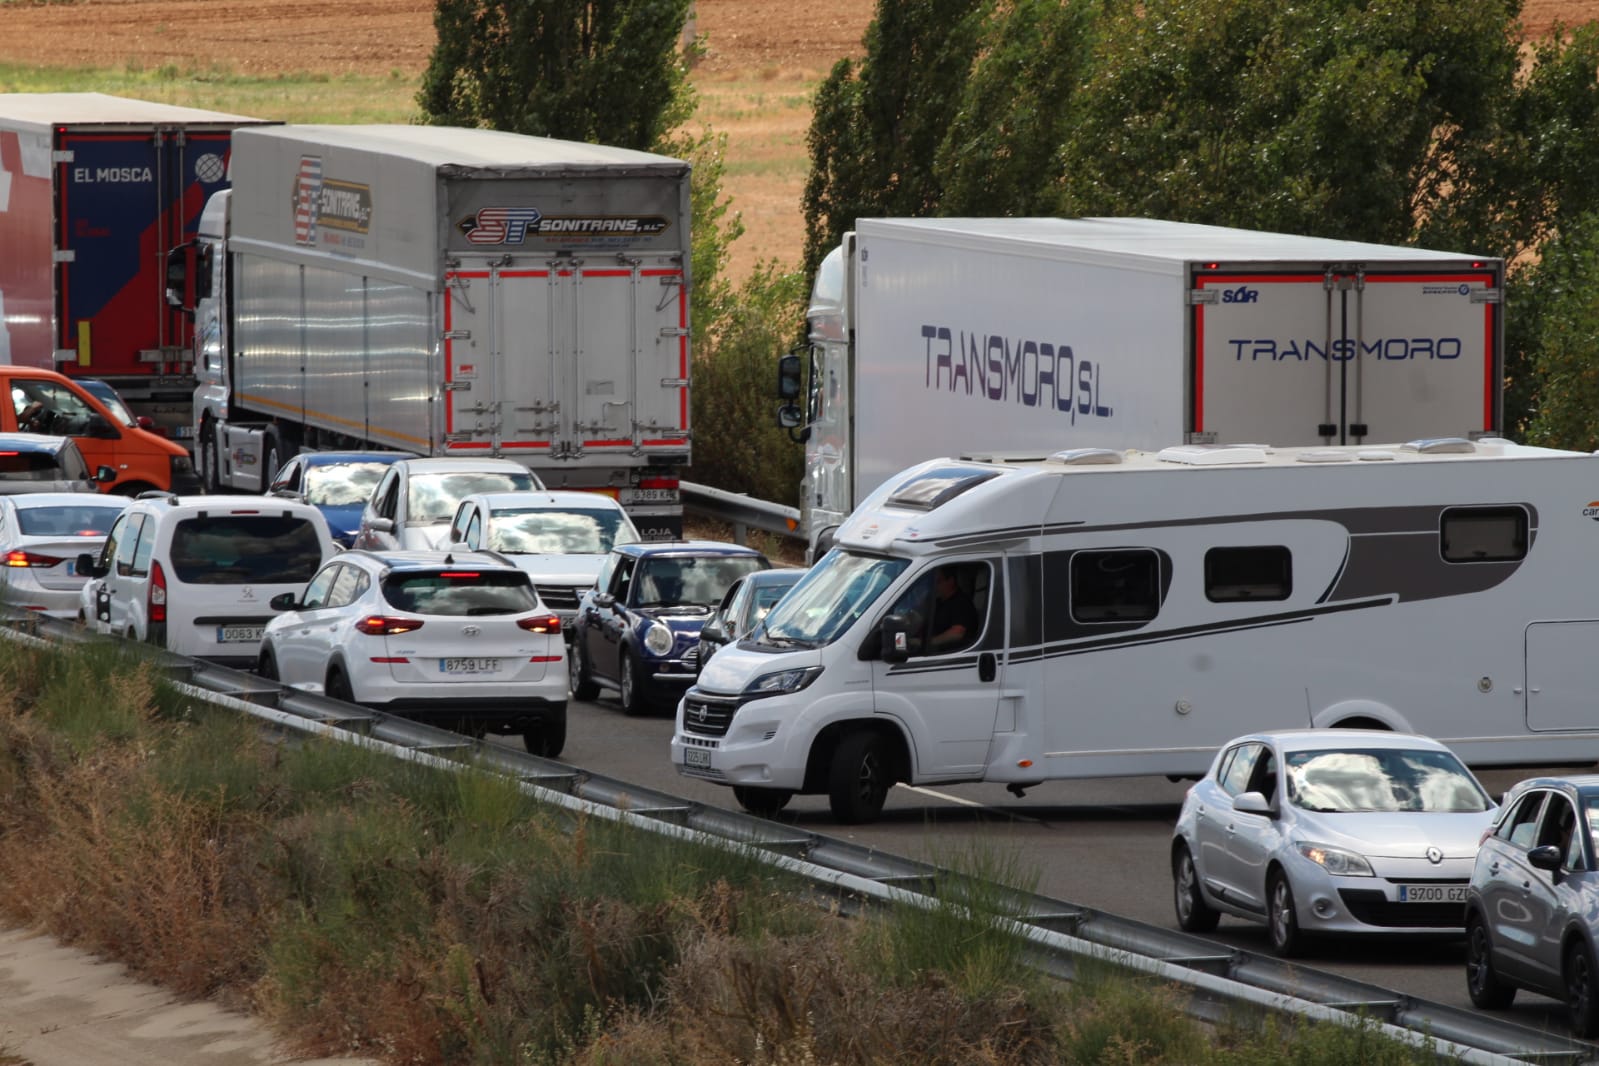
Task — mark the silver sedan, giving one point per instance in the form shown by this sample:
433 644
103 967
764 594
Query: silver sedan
1317 831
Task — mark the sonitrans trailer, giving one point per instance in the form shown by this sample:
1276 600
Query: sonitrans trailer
1046 333
1130 613
442 291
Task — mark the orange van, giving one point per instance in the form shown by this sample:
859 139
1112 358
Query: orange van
43 401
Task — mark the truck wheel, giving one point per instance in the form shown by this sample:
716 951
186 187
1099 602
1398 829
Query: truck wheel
632 686
584 687
548 737
858 781
271 459
210 461
762 802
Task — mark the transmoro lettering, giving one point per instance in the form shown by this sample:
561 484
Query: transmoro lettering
1390 349
1018 370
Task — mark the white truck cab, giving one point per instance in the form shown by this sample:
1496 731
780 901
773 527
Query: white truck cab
1129 612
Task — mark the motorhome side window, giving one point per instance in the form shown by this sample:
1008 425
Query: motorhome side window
1483 534
1115 586
1256 573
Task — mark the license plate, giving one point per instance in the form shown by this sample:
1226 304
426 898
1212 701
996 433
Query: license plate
650 495
1432 893
72 567
696 757
469 666
238 634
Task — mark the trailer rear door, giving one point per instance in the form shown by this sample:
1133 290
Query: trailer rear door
126 197
582 361
1344 356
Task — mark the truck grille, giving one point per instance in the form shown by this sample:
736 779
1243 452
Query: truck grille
559 597
708 715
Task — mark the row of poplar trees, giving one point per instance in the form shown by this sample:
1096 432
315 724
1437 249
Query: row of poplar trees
1438 123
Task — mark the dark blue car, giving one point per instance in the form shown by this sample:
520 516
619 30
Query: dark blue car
637 631
336 483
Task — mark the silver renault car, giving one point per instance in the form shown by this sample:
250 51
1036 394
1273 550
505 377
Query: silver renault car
1316 831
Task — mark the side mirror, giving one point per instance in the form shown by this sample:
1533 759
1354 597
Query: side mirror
895 646
381 525
284 601
1252 803
180 270
789 373
1545 857
604 599
88 564
713 633
145 422
104 475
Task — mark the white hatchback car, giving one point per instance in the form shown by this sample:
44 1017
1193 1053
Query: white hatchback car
1330 831
560 538
455 640
41 536
411 507
196 574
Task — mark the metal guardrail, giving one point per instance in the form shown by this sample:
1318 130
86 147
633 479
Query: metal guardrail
1060 935
744 512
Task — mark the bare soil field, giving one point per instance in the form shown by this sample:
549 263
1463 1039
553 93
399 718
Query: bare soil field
761 60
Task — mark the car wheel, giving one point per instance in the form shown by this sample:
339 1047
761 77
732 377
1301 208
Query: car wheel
338 686
1194 915
582 683
764 802
1482 981
1582 995
1282 921
632 685
858 781
267 666
548 737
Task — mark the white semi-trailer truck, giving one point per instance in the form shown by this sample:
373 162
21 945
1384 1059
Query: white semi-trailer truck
445 291
950 336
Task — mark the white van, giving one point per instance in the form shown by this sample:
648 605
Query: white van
196 574
1128 613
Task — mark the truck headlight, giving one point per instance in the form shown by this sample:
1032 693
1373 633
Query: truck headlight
658 640
781 681
1335 860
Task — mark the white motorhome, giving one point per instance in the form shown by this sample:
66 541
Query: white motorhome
1130 612
1049 333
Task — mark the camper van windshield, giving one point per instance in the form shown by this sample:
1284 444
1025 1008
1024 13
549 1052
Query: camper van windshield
828 600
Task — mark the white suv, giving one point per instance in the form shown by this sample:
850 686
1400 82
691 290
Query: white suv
196 574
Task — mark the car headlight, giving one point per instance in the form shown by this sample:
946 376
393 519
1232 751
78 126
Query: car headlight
658 640
1335 860
781 681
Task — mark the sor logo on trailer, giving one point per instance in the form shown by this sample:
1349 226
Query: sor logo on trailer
1241 295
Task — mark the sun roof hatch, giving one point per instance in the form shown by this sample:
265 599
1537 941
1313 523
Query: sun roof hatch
1087 457
1439 446
937 487
1214 454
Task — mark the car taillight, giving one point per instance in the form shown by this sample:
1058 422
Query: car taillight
382 625
544 624
158 593
18 557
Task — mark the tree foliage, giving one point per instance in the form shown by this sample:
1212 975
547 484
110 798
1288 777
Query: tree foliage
603 71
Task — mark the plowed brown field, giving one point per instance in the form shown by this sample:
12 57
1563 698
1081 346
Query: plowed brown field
779 46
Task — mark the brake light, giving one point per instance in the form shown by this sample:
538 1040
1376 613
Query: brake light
657 483
541 624
18 557
460 575
383 625
158 593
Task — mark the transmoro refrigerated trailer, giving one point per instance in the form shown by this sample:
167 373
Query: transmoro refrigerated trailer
1029 335
447 292
94 192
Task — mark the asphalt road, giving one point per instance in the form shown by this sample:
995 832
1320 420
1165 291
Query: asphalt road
1099 843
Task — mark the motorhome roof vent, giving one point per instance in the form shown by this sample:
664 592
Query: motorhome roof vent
1375 455
1324 455
1439 446
1213 454
1086 457
938 486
